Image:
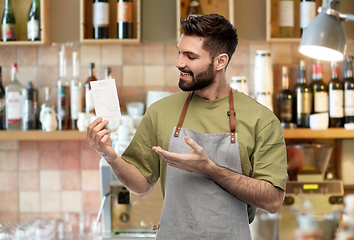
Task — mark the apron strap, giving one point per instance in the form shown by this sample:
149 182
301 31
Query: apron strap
183 114
231 114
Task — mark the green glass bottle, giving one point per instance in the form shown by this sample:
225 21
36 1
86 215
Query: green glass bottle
33 23
8 23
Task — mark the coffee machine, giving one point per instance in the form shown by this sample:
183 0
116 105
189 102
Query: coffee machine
123 213
307 165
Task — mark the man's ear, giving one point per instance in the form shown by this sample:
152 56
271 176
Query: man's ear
221 61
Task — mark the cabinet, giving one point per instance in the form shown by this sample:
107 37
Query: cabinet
21 8
222 7
86 32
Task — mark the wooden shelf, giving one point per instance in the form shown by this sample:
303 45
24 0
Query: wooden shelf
306 133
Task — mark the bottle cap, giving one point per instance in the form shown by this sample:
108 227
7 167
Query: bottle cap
14 65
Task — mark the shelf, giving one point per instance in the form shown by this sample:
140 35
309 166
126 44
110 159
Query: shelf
42 135
21 8
86 27
306 133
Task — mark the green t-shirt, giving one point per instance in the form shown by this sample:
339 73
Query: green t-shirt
260 137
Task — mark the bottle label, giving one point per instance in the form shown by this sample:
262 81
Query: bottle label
349 103
125 12
304 102
62 98
8 31
286 13
89 101
336 103
75 98
286 110
13 107
33 29
307 13
321 102
100 14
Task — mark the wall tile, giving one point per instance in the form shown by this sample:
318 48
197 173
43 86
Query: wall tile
133 76
71 180
48 77
154 76
132 94
51 215
11 217
91 180
30 144
84 144
241 55
281 53
48 56
71 159
27 55
50 159
52 144
8 161
49 180
172 76
8 181
29 181
29 201
50 201
153 54
91 201
71 201
7 55
9 202
237 70
26 216
90 159
70 144
8 145
171 53
90 54
112 55
133 54
29 160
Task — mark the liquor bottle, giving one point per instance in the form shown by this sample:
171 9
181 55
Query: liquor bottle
100 18
33 24
8 23
75 92
125 18
286 18
89 105
2 103
194 8
307 13
335 95
285 100
348 90
108 73
13 105
63 102
303 94
319 89
48 103
30 107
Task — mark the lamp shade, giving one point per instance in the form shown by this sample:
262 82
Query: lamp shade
324 39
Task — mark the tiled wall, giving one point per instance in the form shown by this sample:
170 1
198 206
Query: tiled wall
48 178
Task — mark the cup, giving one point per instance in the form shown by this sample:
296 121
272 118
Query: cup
319 121
239 83
135 109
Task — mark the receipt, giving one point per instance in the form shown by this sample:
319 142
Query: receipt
105 99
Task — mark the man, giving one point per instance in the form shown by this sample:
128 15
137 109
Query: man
225 153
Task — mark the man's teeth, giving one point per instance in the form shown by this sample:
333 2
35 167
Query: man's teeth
186 74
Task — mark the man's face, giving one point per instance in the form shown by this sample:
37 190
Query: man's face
193 62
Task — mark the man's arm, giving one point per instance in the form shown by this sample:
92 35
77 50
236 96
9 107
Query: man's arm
98 138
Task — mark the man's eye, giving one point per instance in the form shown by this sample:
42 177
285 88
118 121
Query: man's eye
191 57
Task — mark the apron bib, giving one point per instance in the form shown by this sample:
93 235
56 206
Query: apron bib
195 207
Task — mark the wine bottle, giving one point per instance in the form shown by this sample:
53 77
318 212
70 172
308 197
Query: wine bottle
2 103
348 90
100 18
33 24
303 95
125 18
194 8
335 94
13 105
286 18
8 23
307 13
108 73
319 89
89 105
63 95
75 92
285 100
30 107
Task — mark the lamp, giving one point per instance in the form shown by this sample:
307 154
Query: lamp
324 37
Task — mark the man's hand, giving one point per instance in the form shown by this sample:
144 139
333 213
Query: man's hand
197 161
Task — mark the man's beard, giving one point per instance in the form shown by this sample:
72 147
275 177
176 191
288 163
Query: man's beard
202 80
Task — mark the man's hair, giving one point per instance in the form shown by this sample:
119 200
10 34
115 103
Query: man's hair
219 35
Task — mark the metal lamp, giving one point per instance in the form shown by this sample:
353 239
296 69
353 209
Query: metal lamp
324 37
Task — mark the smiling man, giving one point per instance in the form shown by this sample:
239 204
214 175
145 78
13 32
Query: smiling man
218 153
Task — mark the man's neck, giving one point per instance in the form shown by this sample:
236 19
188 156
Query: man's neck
219 89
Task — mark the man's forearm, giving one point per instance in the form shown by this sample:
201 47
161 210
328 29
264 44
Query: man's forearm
258 193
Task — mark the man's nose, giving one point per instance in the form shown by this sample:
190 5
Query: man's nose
179 62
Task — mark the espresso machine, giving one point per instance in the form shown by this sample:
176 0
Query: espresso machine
124 215
307 165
